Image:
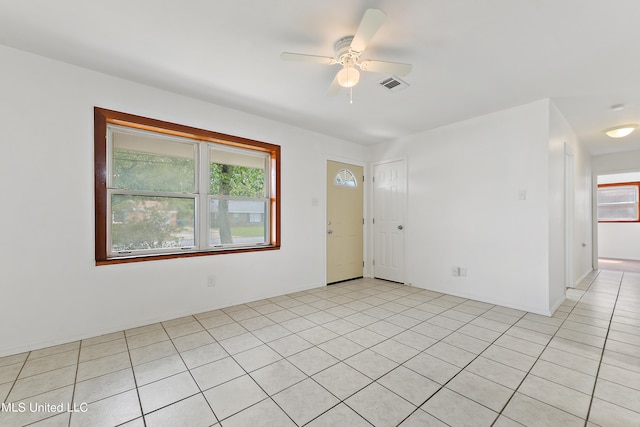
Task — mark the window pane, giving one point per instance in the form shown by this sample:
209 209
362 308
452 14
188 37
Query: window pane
142 223
621 212
233 173
626 194
148 163
345 178
237 221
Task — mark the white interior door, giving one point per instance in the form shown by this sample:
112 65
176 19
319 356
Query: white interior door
389 198
344 222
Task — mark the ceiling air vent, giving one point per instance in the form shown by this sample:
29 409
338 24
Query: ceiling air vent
394 84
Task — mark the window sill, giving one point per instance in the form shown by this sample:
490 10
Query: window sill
157 257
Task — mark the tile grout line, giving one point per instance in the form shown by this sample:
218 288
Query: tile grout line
13 384
604 346
17 377
135 381
75 381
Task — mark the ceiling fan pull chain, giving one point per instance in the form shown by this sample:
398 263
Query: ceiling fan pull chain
351 95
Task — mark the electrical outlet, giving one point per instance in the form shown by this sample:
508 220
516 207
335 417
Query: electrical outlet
463 271
455 271
211 281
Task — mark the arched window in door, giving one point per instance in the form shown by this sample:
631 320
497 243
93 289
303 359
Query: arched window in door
345 178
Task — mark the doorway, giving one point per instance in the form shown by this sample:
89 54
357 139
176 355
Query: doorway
389 199
616 225
345 221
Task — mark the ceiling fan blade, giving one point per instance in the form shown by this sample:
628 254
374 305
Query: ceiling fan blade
385 67
369 26
334 88
288 56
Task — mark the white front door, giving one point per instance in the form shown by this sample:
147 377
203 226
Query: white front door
344 222
389 198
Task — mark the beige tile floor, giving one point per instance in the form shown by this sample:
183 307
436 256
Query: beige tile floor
360 353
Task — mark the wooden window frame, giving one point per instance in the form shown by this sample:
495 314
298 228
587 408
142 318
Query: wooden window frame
621 184
104 117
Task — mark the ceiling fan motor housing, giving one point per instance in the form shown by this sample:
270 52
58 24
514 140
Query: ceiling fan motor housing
343 50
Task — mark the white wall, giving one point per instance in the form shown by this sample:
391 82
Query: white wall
628 161
557 208
52 292
463 207
619 240
619 177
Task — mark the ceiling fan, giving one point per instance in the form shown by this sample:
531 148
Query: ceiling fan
348 51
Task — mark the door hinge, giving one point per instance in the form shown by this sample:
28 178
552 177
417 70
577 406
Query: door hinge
374 220
362 264
373 262
362 221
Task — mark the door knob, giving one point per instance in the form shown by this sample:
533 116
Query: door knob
329 231
400 227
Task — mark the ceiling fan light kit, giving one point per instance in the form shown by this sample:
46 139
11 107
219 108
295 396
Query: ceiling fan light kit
620 131
348 50
348 76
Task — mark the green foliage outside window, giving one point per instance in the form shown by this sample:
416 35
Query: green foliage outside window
238 181
140 223
152 172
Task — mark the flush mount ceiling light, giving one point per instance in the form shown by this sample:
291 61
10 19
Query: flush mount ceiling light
620 131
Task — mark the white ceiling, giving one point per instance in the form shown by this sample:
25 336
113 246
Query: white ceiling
469 57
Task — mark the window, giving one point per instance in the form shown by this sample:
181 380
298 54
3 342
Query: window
165 190
345 178
618 202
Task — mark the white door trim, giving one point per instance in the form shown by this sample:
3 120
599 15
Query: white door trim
569 215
